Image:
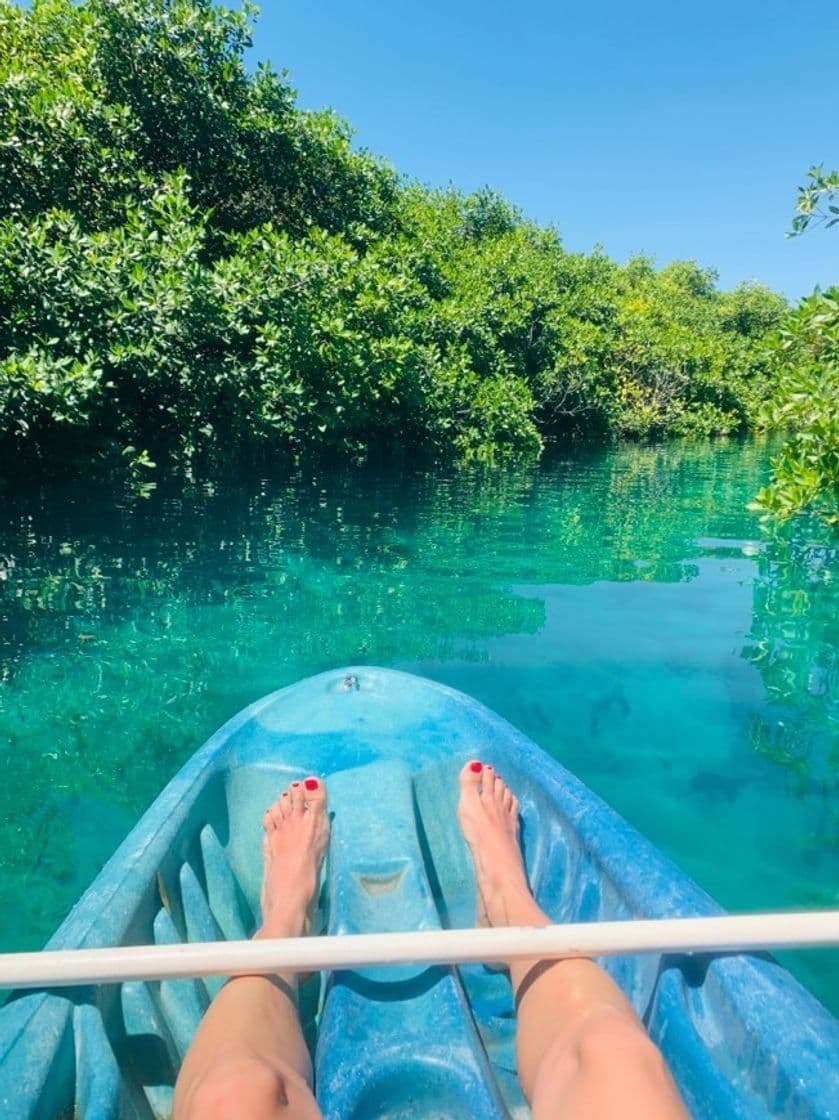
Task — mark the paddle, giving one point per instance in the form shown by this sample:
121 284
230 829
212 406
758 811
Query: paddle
73 967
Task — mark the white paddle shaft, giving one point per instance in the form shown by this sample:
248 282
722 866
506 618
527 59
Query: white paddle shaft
72 967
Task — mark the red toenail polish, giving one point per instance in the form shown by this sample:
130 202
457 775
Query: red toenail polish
311 783
285 793
488 766
476 767
295 784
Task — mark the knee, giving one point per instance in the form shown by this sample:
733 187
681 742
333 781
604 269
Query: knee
237 1087
608 1067
613 1039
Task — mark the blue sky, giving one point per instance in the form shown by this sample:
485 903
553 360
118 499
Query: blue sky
677 129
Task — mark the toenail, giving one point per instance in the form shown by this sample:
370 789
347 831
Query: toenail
476 767
311 783
488 766
293 784
285 793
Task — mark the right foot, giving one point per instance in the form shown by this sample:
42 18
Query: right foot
296 835
489 817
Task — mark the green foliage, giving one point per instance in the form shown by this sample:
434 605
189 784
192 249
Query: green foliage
643 353
806 403
805 383
193 268
99 100
816 202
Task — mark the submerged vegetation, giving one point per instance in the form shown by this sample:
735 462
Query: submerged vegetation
193 269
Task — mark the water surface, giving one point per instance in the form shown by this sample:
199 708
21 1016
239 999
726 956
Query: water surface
624 609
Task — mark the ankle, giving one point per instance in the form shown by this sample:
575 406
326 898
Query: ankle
514 905
289 923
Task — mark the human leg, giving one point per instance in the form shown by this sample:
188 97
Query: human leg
582 1052
248 1057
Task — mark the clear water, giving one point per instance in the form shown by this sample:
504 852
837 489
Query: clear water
623 608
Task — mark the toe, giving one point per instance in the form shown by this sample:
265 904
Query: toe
499 790
285 803
272 817
314 794
472 774
490 785
490 780
296 792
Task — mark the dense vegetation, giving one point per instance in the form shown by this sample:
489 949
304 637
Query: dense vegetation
193 269
805 388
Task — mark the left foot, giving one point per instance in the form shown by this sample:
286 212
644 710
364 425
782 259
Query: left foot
296 836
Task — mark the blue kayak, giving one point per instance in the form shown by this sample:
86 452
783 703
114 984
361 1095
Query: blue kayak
742 1037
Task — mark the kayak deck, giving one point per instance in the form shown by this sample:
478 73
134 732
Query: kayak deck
742 1037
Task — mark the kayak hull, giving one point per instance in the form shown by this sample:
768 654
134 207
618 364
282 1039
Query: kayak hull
742 1037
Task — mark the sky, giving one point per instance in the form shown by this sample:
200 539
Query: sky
675 129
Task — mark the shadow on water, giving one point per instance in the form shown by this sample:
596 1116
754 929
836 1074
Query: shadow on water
622 607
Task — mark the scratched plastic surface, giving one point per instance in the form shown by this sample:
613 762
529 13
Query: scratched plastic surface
741 1036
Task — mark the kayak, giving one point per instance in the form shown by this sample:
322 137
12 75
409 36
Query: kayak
741 1036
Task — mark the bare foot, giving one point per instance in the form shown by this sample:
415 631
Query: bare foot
489 817
296 835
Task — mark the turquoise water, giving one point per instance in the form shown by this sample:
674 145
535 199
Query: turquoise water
623 608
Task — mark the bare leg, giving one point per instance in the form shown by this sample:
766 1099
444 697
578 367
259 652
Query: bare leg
582 1051
248 1057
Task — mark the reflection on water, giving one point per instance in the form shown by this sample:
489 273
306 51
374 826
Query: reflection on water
795 644
623 608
